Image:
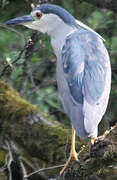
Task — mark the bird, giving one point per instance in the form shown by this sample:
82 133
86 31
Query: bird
83 69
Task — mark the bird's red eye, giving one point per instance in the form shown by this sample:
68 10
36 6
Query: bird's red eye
38 14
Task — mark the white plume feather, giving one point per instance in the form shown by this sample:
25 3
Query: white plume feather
88 28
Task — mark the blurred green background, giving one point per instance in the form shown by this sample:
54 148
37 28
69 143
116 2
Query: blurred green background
39 85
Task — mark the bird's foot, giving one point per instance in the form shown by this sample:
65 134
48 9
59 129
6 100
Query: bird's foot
93 140
102 137
73 156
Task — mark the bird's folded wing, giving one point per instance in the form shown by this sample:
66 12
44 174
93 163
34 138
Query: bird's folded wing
84 59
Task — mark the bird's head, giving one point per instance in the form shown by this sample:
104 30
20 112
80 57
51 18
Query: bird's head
50 18
45 18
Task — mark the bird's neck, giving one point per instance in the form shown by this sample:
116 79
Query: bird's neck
56 28
58 36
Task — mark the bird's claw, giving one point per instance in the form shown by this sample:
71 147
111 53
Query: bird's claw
73 156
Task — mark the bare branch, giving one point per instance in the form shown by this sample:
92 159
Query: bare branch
7 66
43 169
13 162
27 72
44 1
14 30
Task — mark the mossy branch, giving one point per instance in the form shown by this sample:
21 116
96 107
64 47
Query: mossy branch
45 141
35 133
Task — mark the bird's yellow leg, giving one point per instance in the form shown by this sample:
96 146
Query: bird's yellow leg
73 153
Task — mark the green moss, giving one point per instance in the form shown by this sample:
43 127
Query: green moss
2 157
12 106
48 141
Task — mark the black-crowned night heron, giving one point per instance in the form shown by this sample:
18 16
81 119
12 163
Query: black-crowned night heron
83 67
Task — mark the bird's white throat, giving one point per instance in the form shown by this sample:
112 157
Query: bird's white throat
52 25
57 29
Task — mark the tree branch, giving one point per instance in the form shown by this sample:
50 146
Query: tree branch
43 169
27 72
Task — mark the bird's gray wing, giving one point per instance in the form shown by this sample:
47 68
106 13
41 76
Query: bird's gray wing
84 65
87 71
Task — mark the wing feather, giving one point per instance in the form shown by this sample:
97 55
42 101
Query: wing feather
84 65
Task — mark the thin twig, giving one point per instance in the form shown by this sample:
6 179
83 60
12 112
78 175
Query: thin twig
21 52
27 72
44 1
14 30
7 66
43 169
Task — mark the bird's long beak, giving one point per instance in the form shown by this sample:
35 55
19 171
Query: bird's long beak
20 20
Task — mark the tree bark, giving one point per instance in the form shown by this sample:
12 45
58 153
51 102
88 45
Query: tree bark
98 162
39 139
41 142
